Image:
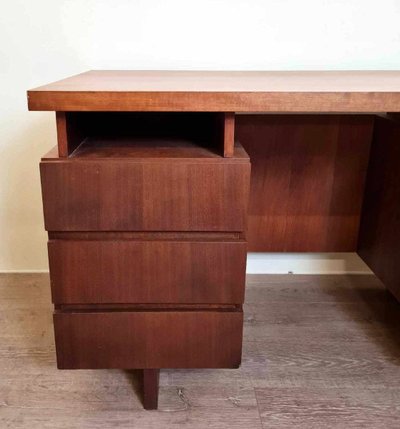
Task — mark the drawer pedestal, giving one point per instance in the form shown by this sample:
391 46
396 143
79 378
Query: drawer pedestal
147 245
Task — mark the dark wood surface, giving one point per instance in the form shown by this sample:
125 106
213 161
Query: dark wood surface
148 339
139 194
318 352
151 379
140 235
62 135
120 134
307 180
129 174
229 134
292 155
166 149
69 135
290 91
152 307
379 242
164 271
162 148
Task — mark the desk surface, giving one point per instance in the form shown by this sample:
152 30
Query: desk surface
250 91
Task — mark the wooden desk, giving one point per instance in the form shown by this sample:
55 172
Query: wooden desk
145 201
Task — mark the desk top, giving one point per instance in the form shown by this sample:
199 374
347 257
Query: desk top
247 91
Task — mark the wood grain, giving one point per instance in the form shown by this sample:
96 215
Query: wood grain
167 134
307 180
151 378
332 289
145 195
171 150
306 408
126 271
62 137
140 235
69 135
148 339
222 92
229 134
306 380
380 223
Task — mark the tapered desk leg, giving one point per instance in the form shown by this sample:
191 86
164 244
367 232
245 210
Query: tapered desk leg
150 388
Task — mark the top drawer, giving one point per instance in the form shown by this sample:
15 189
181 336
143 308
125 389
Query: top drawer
145 194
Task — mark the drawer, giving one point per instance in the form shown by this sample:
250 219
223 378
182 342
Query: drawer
148 339
140 271
128 195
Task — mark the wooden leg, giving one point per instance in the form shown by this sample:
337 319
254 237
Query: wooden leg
150 388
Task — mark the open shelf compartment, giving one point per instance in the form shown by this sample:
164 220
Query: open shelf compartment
145 134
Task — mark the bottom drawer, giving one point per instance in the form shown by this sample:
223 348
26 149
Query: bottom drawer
148 339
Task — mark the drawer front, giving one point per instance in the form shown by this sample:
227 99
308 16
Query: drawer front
151 339
120 195
156 271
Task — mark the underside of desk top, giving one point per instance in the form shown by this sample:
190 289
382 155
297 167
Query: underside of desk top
220 91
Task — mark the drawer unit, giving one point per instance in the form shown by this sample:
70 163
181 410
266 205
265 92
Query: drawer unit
146 217
147 271
148 339
145 194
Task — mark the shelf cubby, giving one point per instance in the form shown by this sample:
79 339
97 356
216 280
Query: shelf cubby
145 134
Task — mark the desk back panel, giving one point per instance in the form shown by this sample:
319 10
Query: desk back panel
380 222
307 180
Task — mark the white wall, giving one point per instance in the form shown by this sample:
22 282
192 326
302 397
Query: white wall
45 40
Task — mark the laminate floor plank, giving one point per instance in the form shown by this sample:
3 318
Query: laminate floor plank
319 351
313 288
319 365
329 408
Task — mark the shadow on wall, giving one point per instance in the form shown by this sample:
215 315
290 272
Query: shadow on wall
24 138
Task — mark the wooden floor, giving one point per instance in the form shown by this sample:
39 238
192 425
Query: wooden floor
319 352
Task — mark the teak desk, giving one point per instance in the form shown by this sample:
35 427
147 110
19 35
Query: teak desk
146 201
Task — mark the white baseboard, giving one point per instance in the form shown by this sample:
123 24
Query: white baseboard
306 263
284 263
23 271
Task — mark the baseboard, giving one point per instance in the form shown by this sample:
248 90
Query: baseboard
306 263
24 271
